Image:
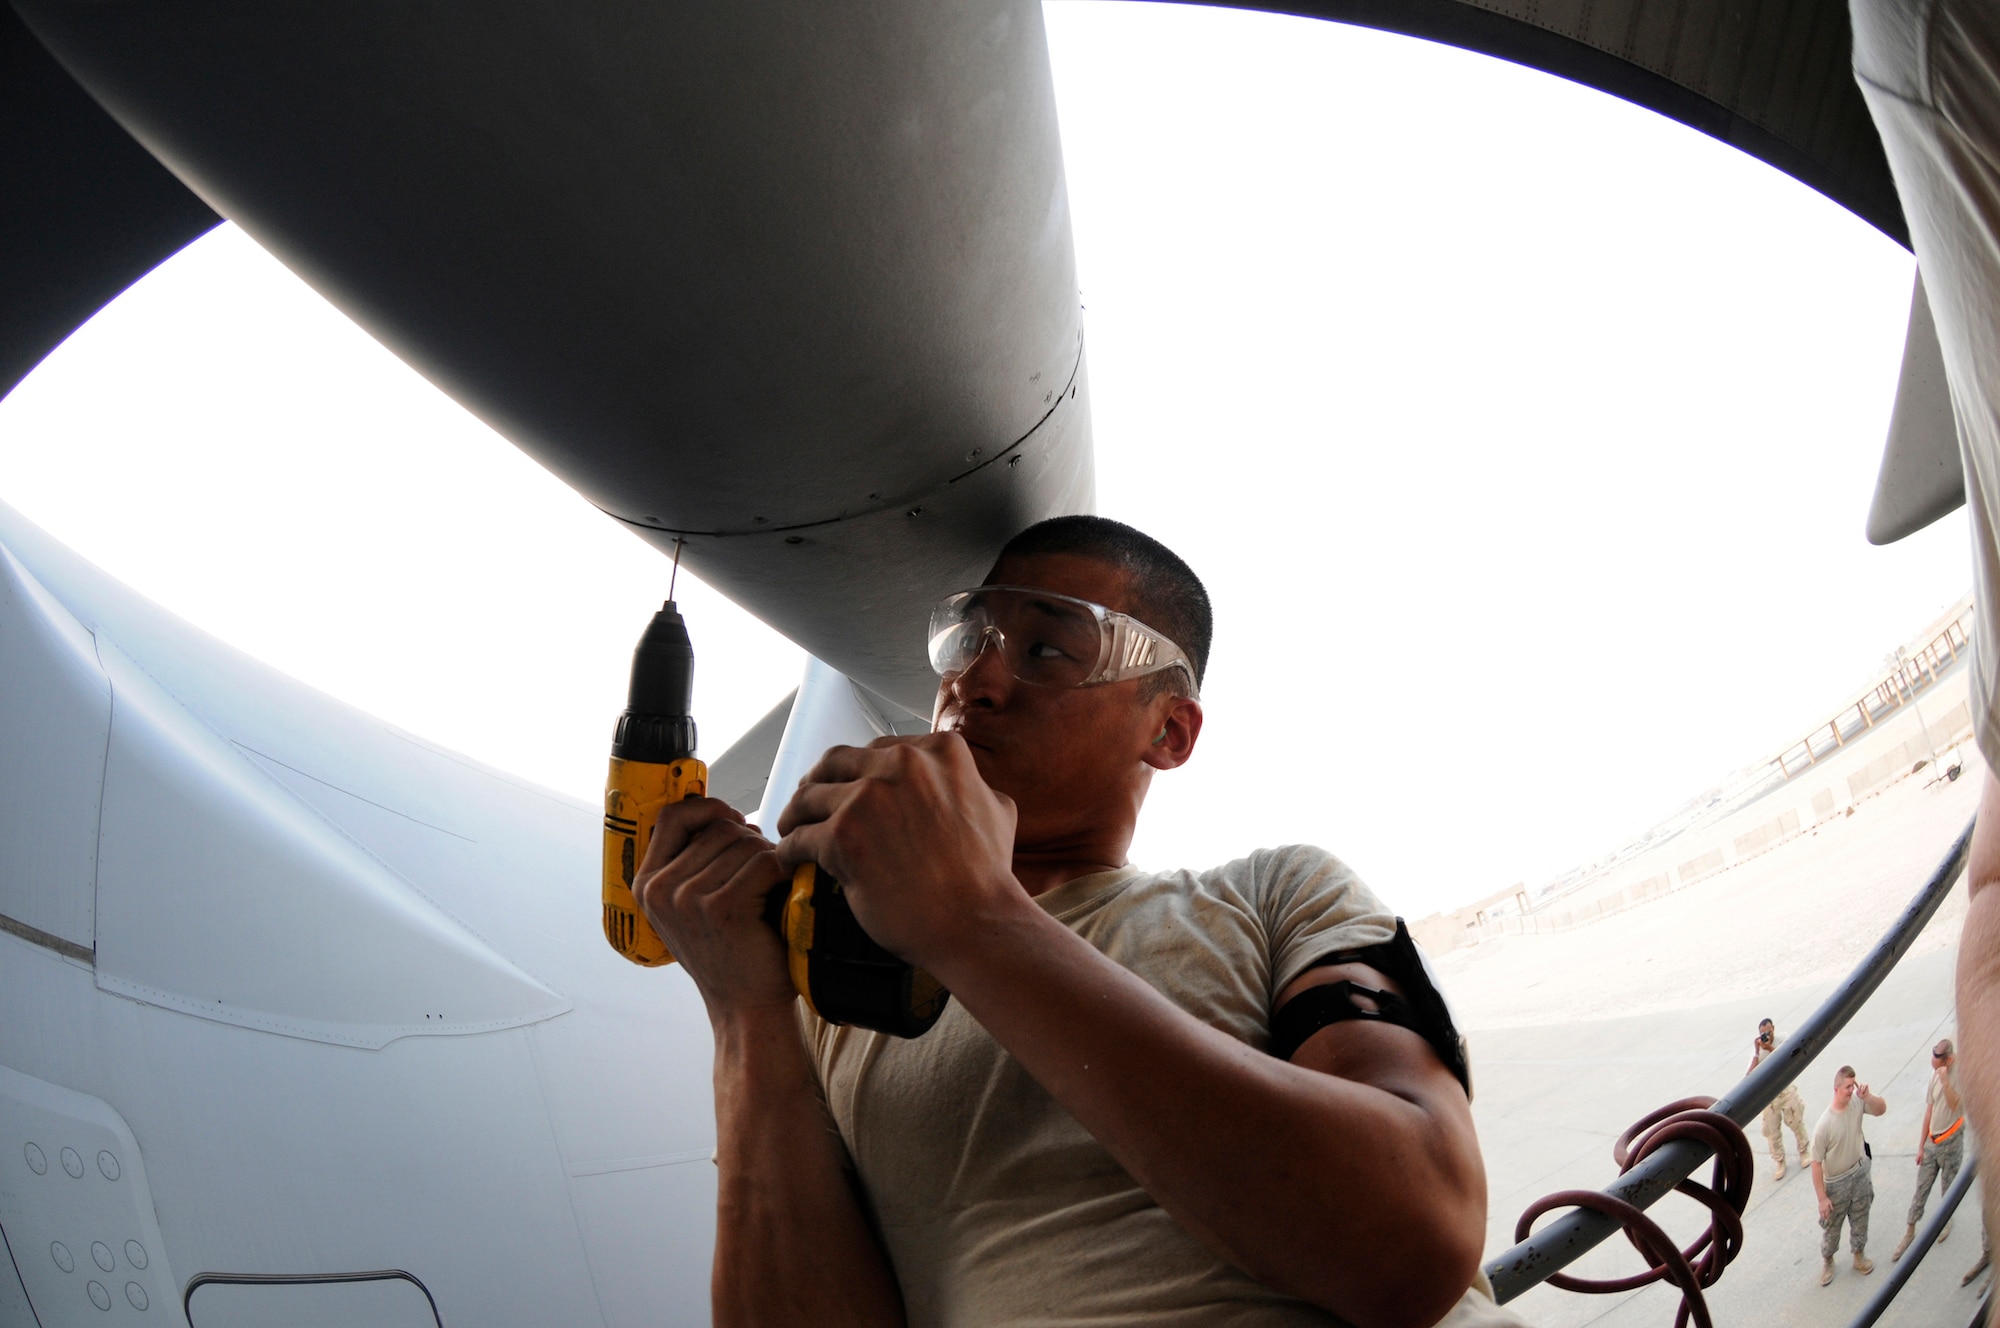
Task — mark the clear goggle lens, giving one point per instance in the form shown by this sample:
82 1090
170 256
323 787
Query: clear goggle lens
1049 640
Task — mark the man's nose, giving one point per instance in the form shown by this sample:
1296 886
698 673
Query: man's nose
987 677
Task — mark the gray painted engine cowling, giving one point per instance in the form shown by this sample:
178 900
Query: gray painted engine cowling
800 291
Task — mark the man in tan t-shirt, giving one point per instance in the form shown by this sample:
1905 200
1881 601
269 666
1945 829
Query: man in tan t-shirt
1840 1171
1940 1141
1097 1131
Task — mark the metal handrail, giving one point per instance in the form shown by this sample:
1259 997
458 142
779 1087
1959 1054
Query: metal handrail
1906 1267
1567 1239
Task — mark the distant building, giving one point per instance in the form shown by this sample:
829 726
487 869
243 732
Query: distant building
1445 931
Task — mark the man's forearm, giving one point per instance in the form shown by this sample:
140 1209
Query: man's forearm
792 1245
1263 1161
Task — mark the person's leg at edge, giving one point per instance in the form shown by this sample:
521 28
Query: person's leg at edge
1985 1258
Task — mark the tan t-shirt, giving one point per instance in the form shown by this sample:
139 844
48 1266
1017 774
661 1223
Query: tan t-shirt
1837 1138
1941 1115
997 1208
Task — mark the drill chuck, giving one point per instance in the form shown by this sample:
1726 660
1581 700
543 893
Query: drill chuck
657 724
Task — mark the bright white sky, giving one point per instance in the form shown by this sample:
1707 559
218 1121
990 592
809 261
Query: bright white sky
1524 439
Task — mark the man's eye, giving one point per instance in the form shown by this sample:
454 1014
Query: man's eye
1043 650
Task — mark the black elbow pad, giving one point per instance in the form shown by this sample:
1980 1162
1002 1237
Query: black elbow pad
1421 1008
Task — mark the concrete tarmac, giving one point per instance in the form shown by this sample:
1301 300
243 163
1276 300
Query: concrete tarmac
1554 1090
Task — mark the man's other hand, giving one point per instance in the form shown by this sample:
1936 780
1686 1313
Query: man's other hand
702 886
923 847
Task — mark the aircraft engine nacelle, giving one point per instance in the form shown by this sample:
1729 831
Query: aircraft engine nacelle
800 291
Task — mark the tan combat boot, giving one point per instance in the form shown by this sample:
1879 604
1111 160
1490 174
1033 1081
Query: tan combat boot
1909 1234
1863 1264
1826 1274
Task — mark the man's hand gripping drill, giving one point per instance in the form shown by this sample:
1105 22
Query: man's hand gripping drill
703 886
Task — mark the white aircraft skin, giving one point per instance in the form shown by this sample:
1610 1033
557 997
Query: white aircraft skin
334 1001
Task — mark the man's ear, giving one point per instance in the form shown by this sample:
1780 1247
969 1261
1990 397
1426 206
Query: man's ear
1179 726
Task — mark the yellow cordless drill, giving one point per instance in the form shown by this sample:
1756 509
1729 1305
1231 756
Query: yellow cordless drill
843 974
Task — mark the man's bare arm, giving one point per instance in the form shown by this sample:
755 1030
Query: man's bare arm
792 1243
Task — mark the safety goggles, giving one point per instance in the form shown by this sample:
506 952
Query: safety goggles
1049 640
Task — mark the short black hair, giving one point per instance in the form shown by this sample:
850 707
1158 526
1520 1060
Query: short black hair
1169 597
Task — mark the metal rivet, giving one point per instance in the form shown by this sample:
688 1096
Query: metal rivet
100 1254
135 1296
916 511
795 539
64 1259
72 1164
99 1296
38 1161
107 1164
135 1254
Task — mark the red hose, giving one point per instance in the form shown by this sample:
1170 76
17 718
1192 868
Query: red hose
1700 1264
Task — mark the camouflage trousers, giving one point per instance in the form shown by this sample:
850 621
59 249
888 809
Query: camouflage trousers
1788 1108
1852 1194
1940 1160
